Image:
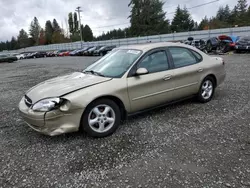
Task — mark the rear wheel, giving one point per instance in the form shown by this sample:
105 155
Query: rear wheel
207 89
209 46
101 118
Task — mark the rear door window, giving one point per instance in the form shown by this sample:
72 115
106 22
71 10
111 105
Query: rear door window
182 57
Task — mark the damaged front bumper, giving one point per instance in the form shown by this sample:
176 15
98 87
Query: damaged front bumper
51 123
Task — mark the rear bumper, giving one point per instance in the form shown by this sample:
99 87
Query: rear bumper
51 123
221 78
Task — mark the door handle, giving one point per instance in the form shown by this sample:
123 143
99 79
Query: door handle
168 77
200 70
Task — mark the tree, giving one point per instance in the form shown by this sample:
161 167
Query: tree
13 43
35 30
71 23
242 6
56 27
182 21
73 27
42 40
48 32
242 13
2 46
76 23
87 34
147 17
23 39
233 19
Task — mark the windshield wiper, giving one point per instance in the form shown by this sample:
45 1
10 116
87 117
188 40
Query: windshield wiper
95 73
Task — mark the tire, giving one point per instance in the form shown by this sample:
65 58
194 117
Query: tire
207 84
209 47
96 112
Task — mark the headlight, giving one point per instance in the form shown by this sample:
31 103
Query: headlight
46 105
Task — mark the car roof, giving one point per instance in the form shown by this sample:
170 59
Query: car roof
150 46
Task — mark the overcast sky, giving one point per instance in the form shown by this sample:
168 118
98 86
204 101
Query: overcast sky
17 14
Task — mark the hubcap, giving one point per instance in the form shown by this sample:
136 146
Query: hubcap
207 89
101 118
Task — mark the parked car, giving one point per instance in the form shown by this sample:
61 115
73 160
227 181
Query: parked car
212 44
73 53
36 55
227 43
91 51
81 51
104 50
60 52
19 56
50 54
66 53
243 44
5 58
128 80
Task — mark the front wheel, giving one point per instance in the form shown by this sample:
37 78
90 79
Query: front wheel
207 89
101 118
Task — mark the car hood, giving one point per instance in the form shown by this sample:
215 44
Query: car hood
63 85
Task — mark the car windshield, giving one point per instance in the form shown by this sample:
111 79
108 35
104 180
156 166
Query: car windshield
103 47
115 64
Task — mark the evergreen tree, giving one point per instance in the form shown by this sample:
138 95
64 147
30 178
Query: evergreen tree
242 13
48 32
147 17
182 21
34 30
233 19
204 24
56 27
23 39
13 43
76 23
71 23
87 34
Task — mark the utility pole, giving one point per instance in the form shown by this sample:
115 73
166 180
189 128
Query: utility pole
78 9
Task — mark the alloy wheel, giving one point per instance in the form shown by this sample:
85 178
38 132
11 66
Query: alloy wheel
101 118
207 89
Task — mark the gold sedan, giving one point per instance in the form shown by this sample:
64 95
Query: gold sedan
127 80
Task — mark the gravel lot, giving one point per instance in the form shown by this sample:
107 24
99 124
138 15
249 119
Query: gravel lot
183 145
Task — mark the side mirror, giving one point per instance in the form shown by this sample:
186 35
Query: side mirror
141 71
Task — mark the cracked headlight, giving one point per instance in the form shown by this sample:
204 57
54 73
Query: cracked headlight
46 105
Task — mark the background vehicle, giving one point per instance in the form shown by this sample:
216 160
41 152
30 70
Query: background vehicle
81 51
7 58
243 44
36 55
227 43
104 50
72 53
60 52
90 52
212 44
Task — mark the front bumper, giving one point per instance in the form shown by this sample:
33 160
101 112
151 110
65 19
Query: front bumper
51 123
240 47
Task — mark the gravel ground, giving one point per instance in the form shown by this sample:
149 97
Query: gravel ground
183 145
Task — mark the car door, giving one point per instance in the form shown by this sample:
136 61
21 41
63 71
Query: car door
154 88
187 71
